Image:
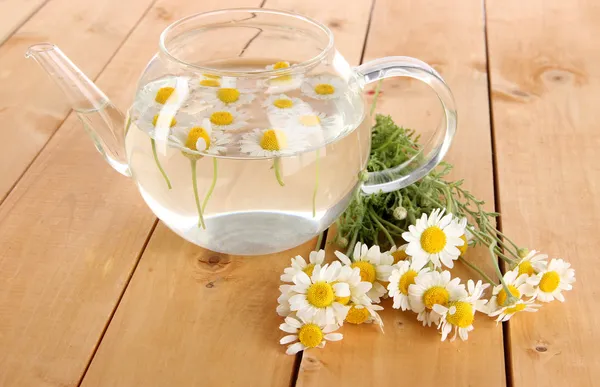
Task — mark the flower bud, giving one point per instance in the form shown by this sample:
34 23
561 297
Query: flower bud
342 242
363 175
400 213
523 251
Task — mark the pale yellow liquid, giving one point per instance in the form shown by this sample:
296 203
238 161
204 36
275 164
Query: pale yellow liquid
249 212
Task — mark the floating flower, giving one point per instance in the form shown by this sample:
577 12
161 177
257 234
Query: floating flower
403 275
310 120
209 81
433 288
228 94
300 265
282 104
227 118
271 142
364 313
196 140
375 267
159 123
517 286
164 92
307 333
324 87
278 66
358 287
316 295
532 263
506 312
552 280
399 253
435 238
284 82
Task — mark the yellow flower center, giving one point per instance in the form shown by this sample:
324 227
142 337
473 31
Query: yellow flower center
515 309
221 118
341 300
193 136
324 89
526 268
433 240
320 294
310 335
406 280
211 76
210 83
228 95
281 65
463 316
435 295
281 79
309 120
367 271
357 315
163 94
273 140
463 248
502 296
309 269
549 282
283 103
399 255
155 121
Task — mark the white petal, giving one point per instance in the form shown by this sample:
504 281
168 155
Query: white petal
334 336
302 279
342 257
287 328
294 349
341 289
288 339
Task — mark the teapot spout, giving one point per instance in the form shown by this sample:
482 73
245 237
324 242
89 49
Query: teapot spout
104 123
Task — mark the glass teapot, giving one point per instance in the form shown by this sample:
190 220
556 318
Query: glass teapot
248 133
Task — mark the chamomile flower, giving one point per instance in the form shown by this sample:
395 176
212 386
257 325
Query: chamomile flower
227 118
209 81
475 292
324 87
433 288
316 295
159 123
271 143
434 238
364 313
282 104
164 92
532 263
403 275
358 287
299 264
399 253
307 333
284 82
195 140
229 95
283 301
552 280
467 236
278 66
308 120
375 267
506 312
517 286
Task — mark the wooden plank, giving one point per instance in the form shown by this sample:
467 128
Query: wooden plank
545 120
30 103
192 317
13 13
452 40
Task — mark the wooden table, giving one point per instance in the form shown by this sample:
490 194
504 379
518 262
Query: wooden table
95 292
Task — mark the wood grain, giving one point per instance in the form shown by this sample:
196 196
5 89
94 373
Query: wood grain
545 88
30 103
13 13
452 40
193 317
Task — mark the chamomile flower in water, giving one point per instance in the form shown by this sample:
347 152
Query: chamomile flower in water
324 87
282 104
227 118
403 275
434 238
532 263
300 265
195 140
155 122
209 81
517 286
271 142
316 295
284 82
550 282
278 66
228 94
433 288
375 267
364 314
506 312
171 91
307 333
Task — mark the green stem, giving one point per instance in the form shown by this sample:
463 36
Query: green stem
160 168
195 186
319 241
510 298
385 231
277 168
314 198
376 97
478 270
212 185
352 243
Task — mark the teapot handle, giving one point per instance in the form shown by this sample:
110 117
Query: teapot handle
407 173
